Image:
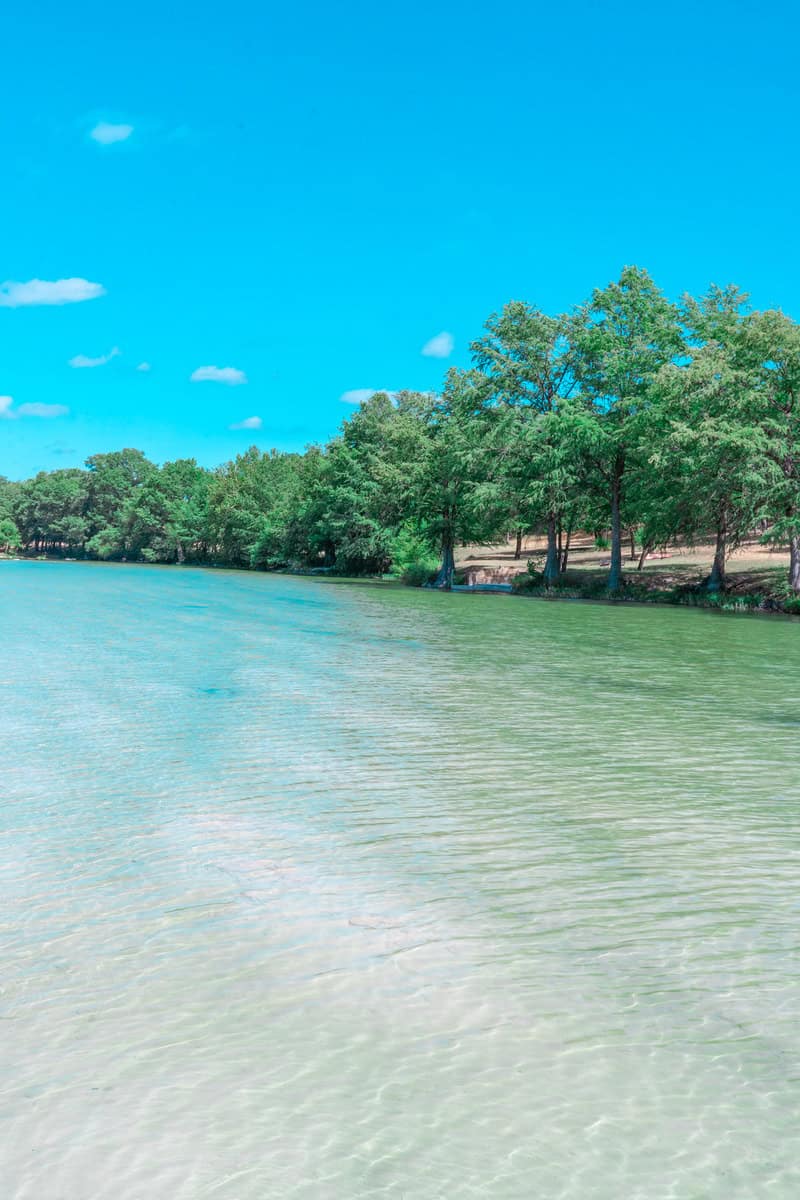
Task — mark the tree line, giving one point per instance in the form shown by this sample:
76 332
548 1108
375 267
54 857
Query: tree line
633 415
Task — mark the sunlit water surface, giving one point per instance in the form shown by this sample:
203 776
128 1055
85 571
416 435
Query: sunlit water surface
327 892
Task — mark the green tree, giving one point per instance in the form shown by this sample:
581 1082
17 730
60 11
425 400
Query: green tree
113 482
358 492
457 458
50 511
628 331
246 497
706 434
167 517
529 361
9 535
772 348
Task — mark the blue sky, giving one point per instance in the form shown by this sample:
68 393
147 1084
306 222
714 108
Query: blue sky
309 194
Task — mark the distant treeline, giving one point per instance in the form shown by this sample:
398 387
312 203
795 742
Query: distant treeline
631 415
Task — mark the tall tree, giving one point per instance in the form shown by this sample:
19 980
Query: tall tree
244 496
9 535
528 359
358 489
112 484
713 452
628 332
50 510
772 346
457 456
168 519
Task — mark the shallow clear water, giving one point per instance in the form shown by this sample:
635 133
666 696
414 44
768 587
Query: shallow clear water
327 892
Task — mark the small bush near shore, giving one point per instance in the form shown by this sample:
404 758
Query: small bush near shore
417 574
414 561
569 585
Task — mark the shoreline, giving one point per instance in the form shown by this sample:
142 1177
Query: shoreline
728 602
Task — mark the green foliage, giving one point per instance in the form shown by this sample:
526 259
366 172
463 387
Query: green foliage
168 514
9 535
530 363
418 574
107 543
51 509
111 487
249 502
413 556
628 333
456 463
571 585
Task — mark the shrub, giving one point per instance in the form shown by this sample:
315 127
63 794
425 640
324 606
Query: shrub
417 574
413 557
568 585
9 535
105 544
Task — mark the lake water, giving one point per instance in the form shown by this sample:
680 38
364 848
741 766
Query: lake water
332 892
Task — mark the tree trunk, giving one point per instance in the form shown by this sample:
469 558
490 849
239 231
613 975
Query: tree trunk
565 552
518 546
646 548
632 534
551 563
794 562
716 580
615 573
444 578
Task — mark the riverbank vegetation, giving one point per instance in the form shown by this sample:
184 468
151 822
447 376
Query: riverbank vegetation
641 422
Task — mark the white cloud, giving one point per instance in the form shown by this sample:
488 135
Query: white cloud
106 134
81 360
230 375
46 411
248 423
144 366
361 395
440 346
45 291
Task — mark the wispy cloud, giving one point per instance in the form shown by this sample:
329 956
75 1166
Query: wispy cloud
248 423
144 366
48 291
81 360
107 133
45 411
360 395
440 346
230 375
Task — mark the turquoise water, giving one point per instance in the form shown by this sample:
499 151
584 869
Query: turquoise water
328 891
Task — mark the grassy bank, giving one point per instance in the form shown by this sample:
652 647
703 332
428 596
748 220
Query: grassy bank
756 579
743 594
